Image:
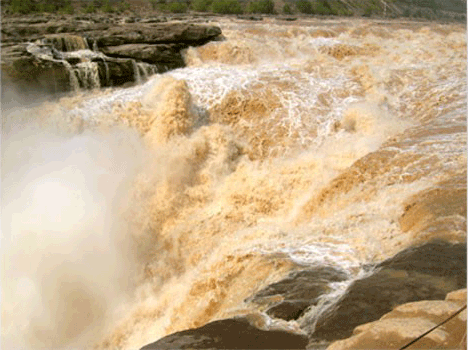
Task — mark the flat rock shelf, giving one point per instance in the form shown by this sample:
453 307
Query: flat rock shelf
52 54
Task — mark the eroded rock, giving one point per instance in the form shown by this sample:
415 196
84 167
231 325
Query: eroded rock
427 272
59 54
168 55
408 321
234 333
288 298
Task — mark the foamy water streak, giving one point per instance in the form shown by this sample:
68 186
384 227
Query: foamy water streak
298 109
286 146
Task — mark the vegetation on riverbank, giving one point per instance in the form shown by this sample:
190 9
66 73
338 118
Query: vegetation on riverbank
428 9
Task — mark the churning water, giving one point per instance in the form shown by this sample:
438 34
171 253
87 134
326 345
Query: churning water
129 214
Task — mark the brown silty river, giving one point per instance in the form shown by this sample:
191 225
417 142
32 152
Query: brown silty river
164 206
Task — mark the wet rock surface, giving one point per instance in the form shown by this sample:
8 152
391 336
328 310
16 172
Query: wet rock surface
161 33
21 70
408 321
417 275
438 259
164 55
54 54
427 272
289 310
235 333
298 291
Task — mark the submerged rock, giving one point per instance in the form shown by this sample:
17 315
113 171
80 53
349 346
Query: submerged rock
234 333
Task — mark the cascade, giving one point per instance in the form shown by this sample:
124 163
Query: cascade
74 82
136 72
75 43
66 43
328 300
88 74
308 145
48 53
95 46
146 69
106 67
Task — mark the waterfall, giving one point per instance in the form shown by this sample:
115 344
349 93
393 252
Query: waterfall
146 69
106 66
136 72
287 145
74 82
88 75
67 42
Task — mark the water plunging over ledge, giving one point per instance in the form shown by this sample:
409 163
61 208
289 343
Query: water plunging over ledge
165 206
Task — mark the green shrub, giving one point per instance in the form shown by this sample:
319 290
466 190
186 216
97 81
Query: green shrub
46 7
287 9
21 6
346 12
177 7
368 11
261 6
160 5
107 7
89 9
339 10
123 6
53 6
28 6
68 9
321 9
418 14
432 5
304 6
334 10
201 5
154 4
226 7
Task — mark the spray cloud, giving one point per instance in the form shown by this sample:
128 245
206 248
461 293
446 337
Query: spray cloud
68 262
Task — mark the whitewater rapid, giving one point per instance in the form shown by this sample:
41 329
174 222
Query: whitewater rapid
288 144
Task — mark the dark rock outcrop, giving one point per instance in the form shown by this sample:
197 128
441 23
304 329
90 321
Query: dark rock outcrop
58 54
24 71
399 327
167 55
234 333
161 33
427 272
289 310
438 259
298 291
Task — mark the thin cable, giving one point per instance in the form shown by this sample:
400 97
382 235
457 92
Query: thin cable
430 330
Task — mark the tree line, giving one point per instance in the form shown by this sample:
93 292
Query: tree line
320 7
424 8
64 6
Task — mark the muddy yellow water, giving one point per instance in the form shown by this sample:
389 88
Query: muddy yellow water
133 213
